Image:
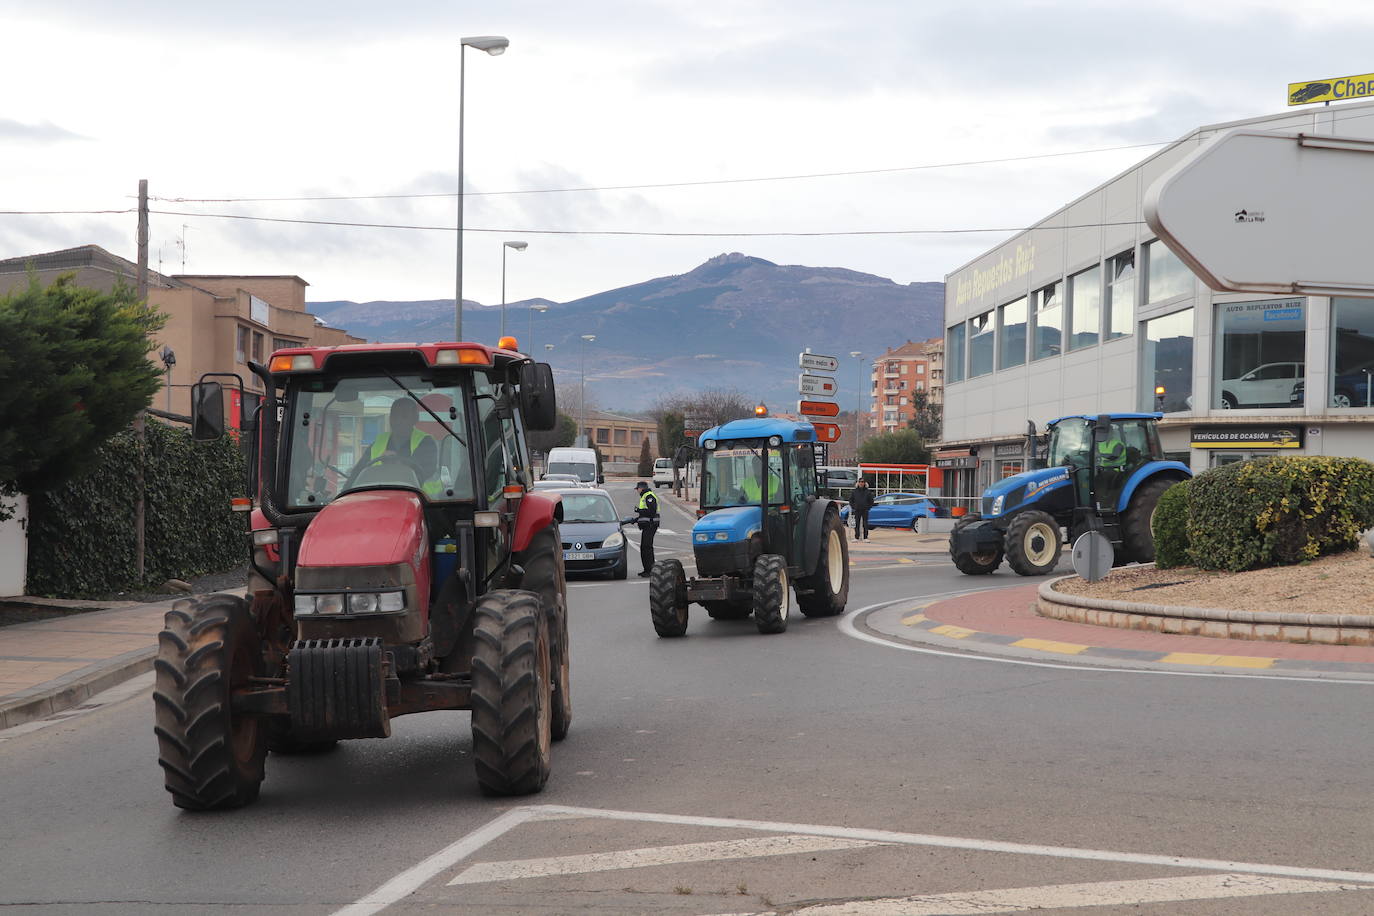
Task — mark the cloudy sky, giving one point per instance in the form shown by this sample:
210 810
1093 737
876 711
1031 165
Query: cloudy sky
215 103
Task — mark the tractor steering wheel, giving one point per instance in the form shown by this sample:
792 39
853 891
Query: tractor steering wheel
380 459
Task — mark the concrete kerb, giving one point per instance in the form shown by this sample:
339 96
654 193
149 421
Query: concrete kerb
1264 626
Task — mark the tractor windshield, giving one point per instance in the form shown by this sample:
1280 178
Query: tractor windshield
1069 443
731 477
366 431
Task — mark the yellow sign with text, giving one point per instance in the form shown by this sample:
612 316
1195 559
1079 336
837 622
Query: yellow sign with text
1332 89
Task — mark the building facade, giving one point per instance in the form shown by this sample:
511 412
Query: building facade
1087 312
898 376
214 323
620 438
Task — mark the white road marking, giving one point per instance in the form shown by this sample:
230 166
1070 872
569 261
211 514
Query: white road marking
848 628
653 855
1102 893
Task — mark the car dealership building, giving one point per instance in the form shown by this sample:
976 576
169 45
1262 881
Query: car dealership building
1087 312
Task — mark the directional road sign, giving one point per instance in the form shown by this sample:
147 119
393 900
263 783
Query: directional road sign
816 386
1254 211
827 432
818 408
818 362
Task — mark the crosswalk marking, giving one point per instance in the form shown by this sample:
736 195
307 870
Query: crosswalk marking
654 855
1099 893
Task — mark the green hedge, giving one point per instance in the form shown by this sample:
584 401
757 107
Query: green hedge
81 534
1278 511
1170 527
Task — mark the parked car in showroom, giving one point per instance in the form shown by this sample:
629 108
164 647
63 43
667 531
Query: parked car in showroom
1269 385
592 540
899 510
1352 388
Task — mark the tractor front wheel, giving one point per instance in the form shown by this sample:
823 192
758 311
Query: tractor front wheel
512 696
1032 543
545 576
973 564
772 598
668 598
828 587
210 758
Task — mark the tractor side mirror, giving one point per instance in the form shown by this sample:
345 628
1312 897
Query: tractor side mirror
207 411
1102 428
537 400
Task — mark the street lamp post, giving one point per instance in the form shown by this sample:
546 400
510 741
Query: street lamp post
541 309
493 45
518 246
586 339
858 362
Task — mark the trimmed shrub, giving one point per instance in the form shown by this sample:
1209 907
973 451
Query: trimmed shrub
1170 527
1278 511
81 534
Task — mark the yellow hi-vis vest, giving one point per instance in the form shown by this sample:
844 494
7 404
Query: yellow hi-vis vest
432 487
644 499
750 488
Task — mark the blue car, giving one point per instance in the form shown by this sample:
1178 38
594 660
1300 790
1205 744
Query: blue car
898 510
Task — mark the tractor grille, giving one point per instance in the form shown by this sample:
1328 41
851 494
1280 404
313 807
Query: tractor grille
724 559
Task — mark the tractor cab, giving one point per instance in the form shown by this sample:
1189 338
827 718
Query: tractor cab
1103 452
763 529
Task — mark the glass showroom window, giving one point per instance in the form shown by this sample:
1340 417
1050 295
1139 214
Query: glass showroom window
1049 322
1352 353
954 348
1013 321
1085 307
980 345
1120 295
1165 275
1260 353
1166 360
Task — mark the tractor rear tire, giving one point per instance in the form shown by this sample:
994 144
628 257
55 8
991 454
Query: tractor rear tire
1137 525
545 576
772 597
973 564
668 598
727 610
826 597
210 758
512 695
1033 542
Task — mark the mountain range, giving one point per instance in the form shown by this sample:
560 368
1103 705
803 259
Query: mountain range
733 322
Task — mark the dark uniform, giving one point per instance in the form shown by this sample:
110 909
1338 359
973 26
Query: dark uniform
646 517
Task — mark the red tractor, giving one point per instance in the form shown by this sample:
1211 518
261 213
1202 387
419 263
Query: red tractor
400 563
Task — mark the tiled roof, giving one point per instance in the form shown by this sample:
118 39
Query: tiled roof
92 256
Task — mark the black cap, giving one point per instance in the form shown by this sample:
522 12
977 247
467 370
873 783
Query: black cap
641 486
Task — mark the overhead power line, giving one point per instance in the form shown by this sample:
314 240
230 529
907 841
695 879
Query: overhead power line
665 184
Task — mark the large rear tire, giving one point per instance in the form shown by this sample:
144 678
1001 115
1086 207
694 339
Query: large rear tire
210 758
828 587
1033 542
772 597
668 598
973 564
1137 531
512 695
545 576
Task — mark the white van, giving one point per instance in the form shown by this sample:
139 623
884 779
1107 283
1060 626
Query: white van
663 471
579 461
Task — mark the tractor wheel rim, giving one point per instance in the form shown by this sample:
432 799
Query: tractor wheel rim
834 560
1039 543
784 600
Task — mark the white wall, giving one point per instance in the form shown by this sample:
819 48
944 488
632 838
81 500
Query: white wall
14 550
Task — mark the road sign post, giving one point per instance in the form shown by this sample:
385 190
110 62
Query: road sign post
816 386
817 362
827 432
818 408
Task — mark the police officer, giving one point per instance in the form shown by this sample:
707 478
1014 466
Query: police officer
646 517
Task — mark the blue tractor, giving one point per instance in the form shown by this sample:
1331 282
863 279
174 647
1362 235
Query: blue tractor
764 531
1105 473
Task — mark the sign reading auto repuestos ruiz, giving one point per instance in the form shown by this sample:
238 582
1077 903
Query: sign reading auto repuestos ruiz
1247 437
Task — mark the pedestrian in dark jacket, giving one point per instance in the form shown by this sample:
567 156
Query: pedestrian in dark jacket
646 517
860 501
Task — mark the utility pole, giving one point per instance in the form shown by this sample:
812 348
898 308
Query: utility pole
139 502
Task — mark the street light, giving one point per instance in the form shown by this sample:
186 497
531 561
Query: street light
541 309
858 357
518 246
493 45
586 339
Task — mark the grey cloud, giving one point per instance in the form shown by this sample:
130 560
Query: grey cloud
42 132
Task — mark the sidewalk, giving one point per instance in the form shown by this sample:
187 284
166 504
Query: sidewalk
50 665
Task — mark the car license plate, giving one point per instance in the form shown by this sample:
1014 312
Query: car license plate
575 555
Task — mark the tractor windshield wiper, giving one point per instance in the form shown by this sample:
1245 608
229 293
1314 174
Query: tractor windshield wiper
437 418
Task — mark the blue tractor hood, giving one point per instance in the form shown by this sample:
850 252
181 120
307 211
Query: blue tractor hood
727 526
1028 486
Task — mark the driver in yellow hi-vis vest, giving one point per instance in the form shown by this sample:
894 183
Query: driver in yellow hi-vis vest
417 449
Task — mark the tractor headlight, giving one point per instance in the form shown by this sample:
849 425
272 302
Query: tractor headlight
350 603
615 540
722 535
701 537
997 504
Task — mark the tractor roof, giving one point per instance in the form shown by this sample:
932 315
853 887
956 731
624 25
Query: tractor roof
1114 416
477 355
762 428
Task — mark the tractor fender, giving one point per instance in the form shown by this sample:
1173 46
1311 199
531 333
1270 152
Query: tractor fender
538 510
1174 470
812 529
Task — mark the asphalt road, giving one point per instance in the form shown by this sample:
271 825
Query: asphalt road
728 772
